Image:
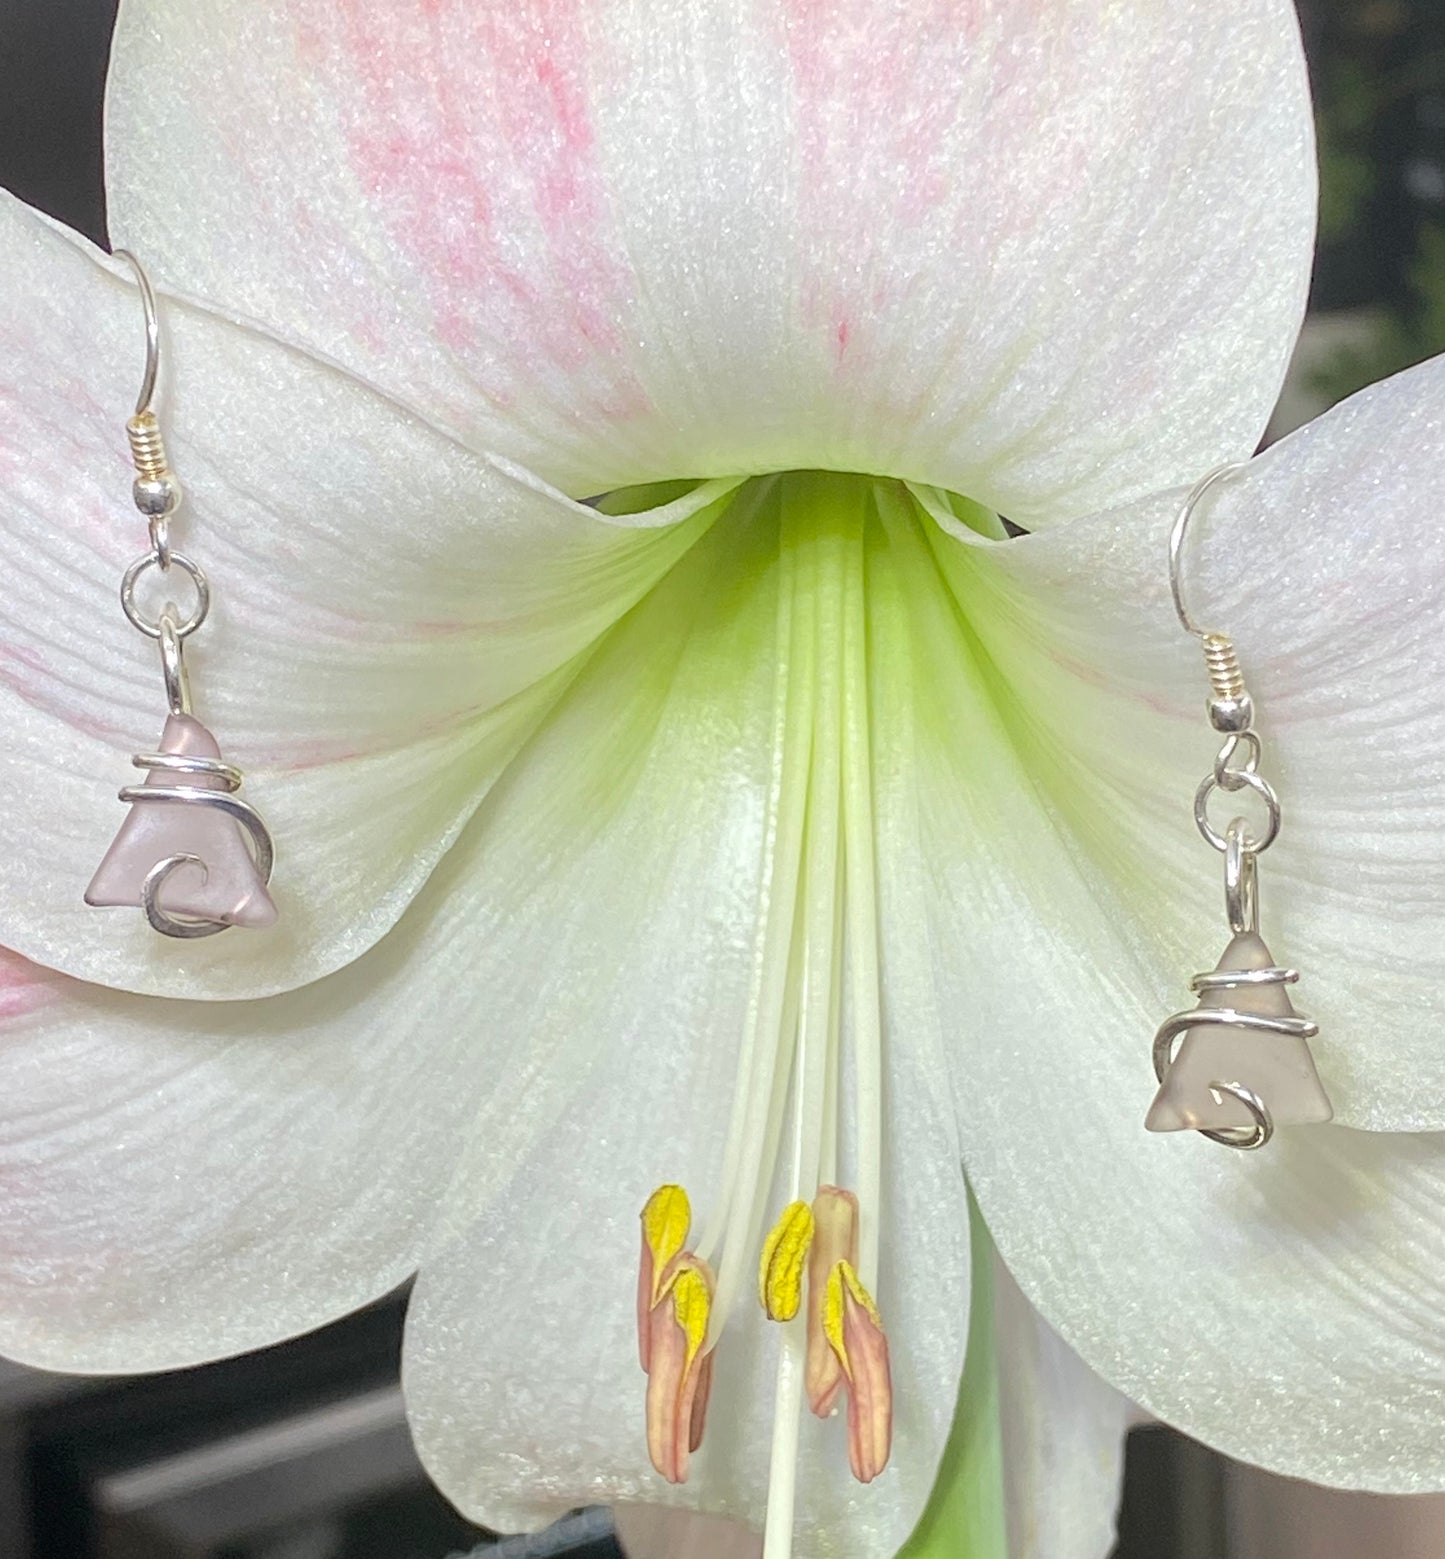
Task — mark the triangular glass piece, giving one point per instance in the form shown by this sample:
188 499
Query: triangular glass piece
1278 1068
230 889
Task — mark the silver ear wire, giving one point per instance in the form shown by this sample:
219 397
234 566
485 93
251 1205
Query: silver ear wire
153 331
1243 1049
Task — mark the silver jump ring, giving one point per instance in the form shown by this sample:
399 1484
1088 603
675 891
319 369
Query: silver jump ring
1241 879
152 630
1261 787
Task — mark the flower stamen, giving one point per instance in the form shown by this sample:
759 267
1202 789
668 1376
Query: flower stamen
817 954
855 1334
780 1273
679 1371
666 1220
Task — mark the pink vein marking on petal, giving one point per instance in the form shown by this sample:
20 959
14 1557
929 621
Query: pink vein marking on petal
29 675
24 986
879 102
489 179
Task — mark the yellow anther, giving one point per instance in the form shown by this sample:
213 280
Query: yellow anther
844 1280
666 1219
679 1372
854 1330
692 1306
780 1272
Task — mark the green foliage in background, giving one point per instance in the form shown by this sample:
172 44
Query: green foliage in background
1354 96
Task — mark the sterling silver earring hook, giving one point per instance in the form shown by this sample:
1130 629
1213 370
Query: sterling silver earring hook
1231 710
153 332
1176 543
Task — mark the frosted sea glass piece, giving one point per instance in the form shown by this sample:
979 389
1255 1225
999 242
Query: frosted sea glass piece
1277 1067
229 889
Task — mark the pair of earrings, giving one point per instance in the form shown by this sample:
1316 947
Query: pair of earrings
197 858
191 853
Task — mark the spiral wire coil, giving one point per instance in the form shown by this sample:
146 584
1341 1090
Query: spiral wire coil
1175 1027
223 799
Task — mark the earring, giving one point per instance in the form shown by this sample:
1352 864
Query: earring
191 853
1244 1065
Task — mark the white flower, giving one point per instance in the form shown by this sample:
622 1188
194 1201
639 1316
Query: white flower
576 810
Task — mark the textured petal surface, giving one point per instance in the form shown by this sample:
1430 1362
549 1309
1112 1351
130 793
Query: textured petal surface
185 1180
628 968
1049 255
392 615
1283 1306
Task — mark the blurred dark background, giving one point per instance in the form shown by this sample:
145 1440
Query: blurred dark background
301 1452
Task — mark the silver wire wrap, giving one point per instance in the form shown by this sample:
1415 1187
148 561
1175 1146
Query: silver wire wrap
1174 1028
1236 769
223 800
157 494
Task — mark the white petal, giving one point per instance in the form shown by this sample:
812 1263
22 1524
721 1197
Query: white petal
1063 1438
1326 562
1034 1460
1050 256
392 615
1281 1306
185 1180
638 821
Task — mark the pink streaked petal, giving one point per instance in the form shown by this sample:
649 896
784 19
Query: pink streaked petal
392 617
1049 255
24 986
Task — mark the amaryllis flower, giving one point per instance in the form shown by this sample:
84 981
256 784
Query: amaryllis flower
766 838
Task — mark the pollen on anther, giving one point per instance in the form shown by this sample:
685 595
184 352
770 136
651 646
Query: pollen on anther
785 1253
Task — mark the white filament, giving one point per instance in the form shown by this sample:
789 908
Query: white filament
817 916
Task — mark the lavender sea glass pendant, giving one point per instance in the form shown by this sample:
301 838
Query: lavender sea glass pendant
192 853
1244 1035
